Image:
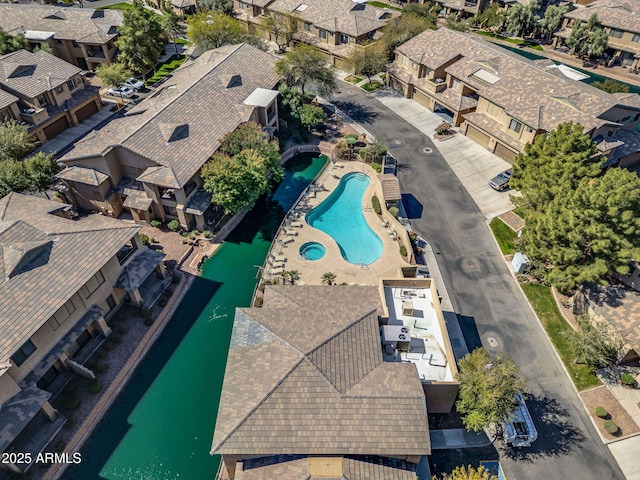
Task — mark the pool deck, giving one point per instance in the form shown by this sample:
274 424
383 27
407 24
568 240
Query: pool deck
296 232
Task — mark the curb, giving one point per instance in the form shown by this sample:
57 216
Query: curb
109 396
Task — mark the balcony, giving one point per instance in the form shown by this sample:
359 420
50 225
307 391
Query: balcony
34 116
95 53
436 86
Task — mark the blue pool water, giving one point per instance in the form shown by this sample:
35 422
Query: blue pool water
312 251
340 216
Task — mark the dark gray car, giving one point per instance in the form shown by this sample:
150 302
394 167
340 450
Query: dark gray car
501 181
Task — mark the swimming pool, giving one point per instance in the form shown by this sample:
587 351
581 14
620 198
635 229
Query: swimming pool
340 216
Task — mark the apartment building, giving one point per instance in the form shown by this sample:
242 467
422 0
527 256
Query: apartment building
620 21
148 162
502 100
81 36
336 27
61 280
45 92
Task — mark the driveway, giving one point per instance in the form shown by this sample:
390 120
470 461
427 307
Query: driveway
485 295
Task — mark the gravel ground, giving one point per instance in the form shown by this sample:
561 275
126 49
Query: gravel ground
603 397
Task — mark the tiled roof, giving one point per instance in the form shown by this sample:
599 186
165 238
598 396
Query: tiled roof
88 176
525 89
31 74
69 253
6 99
621 14
343 16
390 186
138 269
179 126
83 25
292 467
305 376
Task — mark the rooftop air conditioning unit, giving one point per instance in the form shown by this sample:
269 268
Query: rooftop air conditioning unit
398 336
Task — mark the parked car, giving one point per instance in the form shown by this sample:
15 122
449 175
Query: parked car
134 83
125 92
501 181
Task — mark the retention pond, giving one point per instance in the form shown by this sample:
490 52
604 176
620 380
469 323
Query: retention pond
160 427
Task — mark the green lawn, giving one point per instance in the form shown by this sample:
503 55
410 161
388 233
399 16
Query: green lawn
370 87
353 79
515 41
556 326
117 6
504 235
165 69
383 5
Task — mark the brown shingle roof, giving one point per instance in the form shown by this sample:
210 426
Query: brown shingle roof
305 376
525 89
179 126
621 14
83 25
343 16
31 74
6 99
88 176
49 259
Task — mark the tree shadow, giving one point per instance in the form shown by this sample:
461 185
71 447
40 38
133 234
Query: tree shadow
412 206
611 295
360 113
557 436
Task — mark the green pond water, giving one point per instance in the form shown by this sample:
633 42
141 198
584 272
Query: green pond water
161 425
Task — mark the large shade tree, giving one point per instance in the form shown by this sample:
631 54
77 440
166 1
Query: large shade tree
11 43
306 66
369 60
523 20
113 75
487 388
211 29
172 24
588 39
243 170
140 40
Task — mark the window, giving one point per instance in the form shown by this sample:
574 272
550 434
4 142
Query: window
637 117
71 83
615 33
529 130
515 125
344 39
5 115
58 42
636 38
271 111
414 65
111 303
322 34
126 251
92 285
625 119
75 44
260 11
169 210
62 314
59 89
189 187
493 109
455 84
25 352
42 100
307 27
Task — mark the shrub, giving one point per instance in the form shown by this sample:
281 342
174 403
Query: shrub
627 379
152 240
122 330
175 278
163 302
258 302
193 234
376 167
375 203
59 446
351 135
116 339
207 234
148 321
168 292
185 234
403 250
394 211
101 367
94 385
601 412
173 225
184 242
156 223
145 239
413 236
101 354
443 128
610 427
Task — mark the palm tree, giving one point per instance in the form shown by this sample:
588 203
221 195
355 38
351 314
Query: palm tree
284 276
292 274
328 278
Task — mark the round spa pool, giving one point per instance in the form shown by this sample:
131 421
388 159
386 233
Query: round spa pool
312 251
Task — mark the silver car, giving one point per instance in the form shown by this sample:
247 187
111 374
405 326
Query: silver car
501 181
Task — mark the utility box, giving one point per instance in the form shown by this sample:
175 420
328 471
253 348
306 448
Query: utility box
520 262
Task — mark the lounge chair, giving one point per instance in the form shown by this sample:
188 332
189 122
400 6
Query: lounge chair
276 271
275 266
280 258
288 240
384 223
297 224
291 233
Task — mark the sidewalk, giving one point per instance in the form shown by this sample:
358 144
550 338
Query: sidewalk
472 164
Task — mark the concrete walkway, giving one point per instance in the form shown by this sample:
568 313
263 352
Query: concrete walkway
62 142
457 438
473 165
626 454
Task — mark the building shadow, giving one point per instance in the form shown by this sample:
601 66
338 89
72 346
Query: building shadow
444 461
557 436
412 206
469 332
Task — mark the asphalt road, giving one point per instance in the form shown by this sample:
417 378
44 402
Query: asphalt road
482 289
